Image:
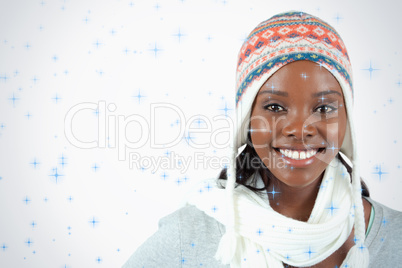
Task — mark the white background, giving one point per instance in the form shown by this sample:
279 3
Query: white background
55 55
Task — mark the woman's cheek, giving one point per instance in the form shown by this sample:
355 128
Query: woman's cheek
335 133
258 140
260 135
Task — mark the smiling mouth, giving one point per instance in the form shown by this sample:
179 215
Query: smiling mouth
299 154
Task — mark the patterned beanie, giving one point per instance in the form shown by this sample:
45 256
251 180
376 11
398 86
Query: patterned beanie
282 39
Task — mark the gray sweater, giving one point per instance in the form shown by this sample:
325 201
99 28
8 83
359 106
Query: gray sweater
189 238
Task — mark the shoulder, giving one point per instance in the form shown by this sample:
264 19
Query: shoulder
386 216
189 216
385 238
185 237
193 224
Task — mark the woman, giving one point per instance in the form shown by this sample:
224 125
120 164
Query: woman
290 199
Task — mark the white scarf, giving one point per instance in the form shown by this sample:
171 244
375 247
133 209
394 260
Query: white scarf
266 238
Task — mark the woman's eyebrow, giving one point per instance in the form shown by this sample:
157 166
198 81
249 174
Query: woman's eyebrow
276 92
285 94
318 94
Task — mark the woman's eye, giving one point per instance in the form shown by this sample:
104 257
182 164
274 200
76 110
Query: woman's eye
325 109
274 108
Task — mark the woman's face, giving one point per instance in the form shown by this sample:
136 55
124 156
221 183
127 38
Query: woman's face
298 122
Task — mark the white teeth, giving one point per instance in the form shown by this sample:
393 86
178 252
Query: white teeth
311 153
298 155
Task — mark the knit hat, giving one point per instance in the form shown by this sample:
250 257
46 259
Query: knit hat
282 39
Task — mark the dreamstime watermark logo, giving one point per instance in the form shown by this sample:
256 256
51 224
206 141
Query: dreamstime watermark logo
112 132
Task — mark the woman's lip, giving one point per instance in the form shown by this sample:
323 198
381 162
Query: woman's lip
300 162
299 149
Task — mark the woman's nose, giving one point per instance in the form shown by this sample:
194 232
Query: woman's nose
299 127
